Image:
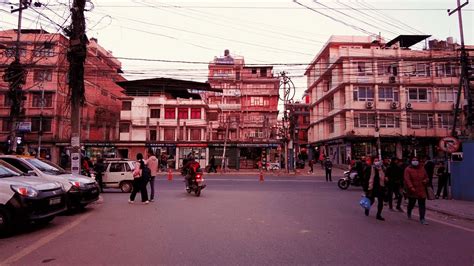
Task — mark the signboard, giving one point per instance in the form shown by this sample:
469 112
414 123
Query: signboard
226 60
449 144
23 127
75 142
75 162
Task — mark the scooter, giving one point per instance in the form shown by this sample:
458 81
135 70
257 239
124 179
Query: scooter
196 183
350 178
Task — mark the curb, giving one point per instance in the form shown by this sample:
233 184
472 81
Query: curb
445 212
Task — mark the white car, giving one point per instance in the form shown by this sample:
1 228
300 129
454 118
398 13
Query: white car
24 199
118 174
81 190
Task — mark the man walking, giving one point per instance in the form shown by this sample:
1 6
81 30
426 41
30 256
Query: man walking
152 163
416 181
99 169
442 181
394 174
310 164
429 168
328 168
212 165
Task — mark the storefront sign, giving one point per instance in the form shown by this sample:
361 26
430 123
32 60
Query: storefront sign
23 127
191 145
75 163
246 145
99 144
161 144
449 144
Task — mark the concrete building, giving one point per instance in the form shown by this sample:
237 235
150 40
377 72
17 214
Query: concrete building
363 89
166 115
244 115
45 59
299 116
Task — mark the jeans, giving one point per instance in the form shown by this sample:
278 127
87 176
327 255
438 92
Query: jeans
152 188
328 175
394 189
139 185
442 186
421 207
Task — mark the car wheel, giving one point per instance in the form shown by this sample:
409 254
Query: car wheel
126 186
5 222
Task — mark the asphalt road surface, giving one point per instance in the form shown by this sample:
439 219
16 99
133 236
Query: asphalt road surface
238 220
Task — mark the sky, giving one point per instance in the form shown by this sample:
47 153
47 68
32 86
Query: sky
178 39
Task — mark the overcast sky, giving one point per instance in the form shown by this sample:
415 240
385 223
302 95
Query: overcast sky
279 32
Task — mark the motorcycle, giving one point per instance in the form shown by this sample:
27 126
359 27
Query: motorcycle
196 183
350 178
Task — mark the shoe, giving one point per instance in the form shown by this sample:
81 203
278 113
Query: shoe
152 200
423 222
366 212
399 209
380 218
437 197
130 201
146 202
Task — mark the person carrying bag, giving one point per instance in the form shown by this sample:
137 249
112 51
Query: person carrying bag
140 180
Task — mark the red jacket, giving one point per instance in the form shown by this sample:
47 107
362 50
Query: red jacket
416 180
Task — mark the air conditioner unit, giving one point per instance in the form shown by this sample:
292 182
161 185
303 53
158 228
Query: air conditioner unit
392 79
408 106
369 105
394 105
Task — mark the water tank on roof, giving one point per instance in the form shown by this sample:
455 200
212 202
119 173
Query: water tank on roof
450 40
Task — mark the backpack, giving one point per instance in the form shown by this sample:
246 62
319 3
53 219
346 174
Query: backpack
146 172
193 167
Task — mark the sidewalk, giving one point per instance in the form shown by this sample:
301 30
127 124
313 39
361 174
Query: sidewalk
457 208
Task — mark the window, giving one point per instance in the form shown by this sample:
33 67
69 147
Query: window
170 113
169 133
445 120
254 71
421 120
389 121
6 125
155 113
18 164
342 96
195 134
7 101
331 103
256 101
45 50
363 68
124 128
364 120
183 113
47 101
11 51
446 94
263 72
419 95
42 75
419 69
153 134
446 69
126 105
388 94
343 121
195 113
387 68
35 124
104 93
363 94
116 167
331 125
213 116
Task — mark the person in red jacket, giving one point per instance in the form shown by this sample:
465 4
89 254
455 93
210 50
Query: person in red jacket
416 181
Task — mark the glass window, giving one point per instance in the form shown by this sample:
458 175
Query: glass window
46 50
388 94
42 75
46 126
126 105
153 134
155 113
124 128
195 134
195 113
169 133
170 113
447 94
116 167
183 113
364 120
331 125
256 101
331 103
47 101
389 121
363 94
6 125
421 120
445 120
18 164
419 95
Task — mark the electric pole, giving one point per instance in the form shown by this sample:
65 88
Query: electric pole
76 56
464 78
287 89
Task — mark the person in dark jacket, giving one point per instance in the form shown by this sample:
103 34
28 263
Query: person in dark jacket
212 165
416 181
310 164
429 168
442 181
376 188
99 169
328 168
394 174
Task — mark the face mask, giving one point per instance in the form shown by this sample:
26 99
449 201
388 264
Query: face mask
414 163
378 164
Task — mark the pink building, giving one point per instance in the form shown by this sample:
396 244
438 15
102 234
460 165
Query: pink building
44 56
363 89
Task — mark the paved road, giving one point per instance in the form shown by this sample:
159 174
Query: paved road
242 221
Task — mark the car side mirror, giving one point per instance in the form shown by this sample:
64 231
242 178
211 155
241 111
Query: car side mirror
32 173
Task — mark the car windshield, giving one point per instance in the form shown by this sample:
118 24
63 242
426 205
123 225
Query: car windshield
5 172
46 166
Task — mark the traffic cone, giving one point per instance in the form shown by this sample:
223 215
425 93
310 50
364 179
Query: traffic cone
170 175
261 176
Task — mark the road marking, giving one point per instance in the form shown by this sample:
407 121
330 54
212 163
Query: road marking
44 240
266 180
447 224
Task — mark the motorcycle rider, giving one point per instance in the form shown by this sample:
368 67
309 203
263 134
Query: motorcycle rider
189 170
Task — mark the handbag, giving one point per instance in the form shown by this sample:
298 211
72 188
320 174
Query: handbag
430 193
365 203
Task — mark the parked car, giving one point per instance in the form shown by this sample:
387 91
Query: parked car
81 190
118 174
26 199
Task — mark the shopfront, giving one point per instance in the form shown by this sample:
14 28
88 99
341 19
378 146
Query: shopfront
167 150
198 151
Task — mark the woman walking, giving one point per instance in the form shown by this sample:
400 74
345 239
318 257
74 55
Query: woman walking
139 184
416 181
376 188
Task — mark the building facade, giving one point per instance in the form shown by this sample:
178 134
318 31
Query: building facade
299 123
47 94
363 90
244 116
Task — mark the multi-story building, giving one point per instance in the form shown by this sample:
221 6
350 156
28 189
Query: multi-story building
45 58
298 113
364 89
166 115
244 116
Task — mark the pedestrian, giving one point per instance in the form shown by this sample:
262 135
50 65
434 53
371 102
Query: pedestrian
99 169
321 159
139 182
394 174
212 165
152 163
163 162
86 169
328 168
416 180
376 188
442 181
429 168
310 164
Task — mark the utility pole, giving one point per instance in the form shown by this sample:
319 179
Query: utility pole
40 132
76 56
224 164
288 93
464 78
15 75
